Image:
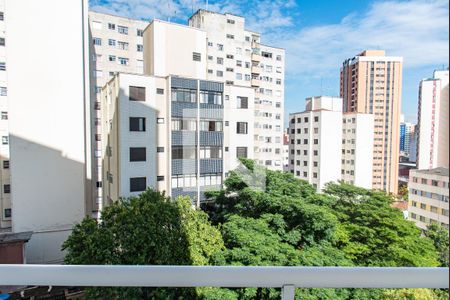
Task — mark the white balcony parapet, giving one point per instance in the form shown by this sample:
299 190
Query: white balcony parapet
287 278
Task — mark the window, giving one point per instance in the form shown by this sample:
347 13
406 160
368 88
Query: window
7 212
140 32
266 54
316 141
210 126
112 58
184 152
314 175
423 206
2 66
3 91
123 45
184 124
434 183
6 164
305 174
241 152
229 21
138 184
242 102
238 76
123 61
111 26
139 48
160 178
2 16
196 56
278 81
207 152
137 124
112 42
219 73
315 164
220 47
2 41
306 119
137 93
122 29
98 137
316 119
97 41
5 140
241 127
220 60
138 154
4 115
239 63
278 57
184 95
160 91
316 152
211 97
6 188
230 36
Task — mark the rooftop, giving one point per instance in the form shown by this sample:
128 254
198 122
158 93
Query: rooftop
15 237
437 171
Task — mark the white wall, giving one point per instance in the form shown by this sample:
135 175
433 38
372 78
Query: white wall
47 96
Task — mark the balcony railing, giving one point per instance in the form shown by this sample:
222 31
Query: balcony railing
287 278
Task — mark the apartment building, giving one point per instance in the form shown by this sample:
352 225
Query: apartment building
357 149
237 57
315 141
5 184
286 151
407 135
433 125
48 117
371 82
167 129
116 46
326 145
428 197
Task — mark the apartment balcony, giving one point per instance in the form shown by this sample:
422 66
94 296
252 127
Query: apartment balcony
286 278
256 57
256 70
256 82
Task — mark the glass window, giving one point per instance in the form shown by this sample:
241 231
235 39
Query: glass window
210 97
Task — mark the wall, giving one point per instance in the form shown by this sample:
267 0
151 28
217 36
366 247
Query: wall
47 120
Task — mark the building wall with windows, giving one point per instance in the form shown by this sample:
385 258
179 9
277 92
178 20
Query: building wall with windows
315 141
428 197
5 185
371 82
48 121
236 56
433 124
326 145
357 149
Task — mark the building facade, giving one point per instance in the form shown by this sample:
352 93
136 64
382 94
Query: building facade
433 125
372 83
428 197
237 57
49 125
328 146
407 135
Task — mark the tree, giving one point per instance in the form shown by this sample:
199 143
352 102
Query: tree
439 236
146 230
403 192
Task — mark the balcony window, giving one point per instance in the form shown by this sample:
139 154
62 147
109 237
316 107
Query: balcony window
184 95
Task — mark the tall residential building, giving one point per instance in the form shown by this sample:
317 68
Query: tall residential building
286 151
428 197
116 45
372 83
407 136
5 184
48 129
171 129
236 56
326 145
433 125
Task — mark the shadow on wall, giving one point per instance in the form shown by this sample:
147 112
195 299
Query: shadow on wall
48 197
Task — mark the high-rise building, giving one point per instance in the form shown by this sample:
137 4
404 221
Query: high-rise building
236 56
171 129
428 197
433 125
407 136
328 146
372 83
49 129
116 46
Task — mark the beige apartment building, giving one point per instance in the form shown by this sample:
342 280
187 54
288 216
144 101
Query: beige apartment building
371 82
237 57
428 197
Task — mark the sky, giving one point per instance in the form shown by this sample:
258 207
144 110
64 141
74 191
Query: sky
319 35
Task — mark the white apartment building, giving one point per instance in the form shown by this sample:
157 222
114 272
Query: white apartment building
433 125
48 129
167 129
315 141
116 46
237 57
5 185
328 146
357 149
428 197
